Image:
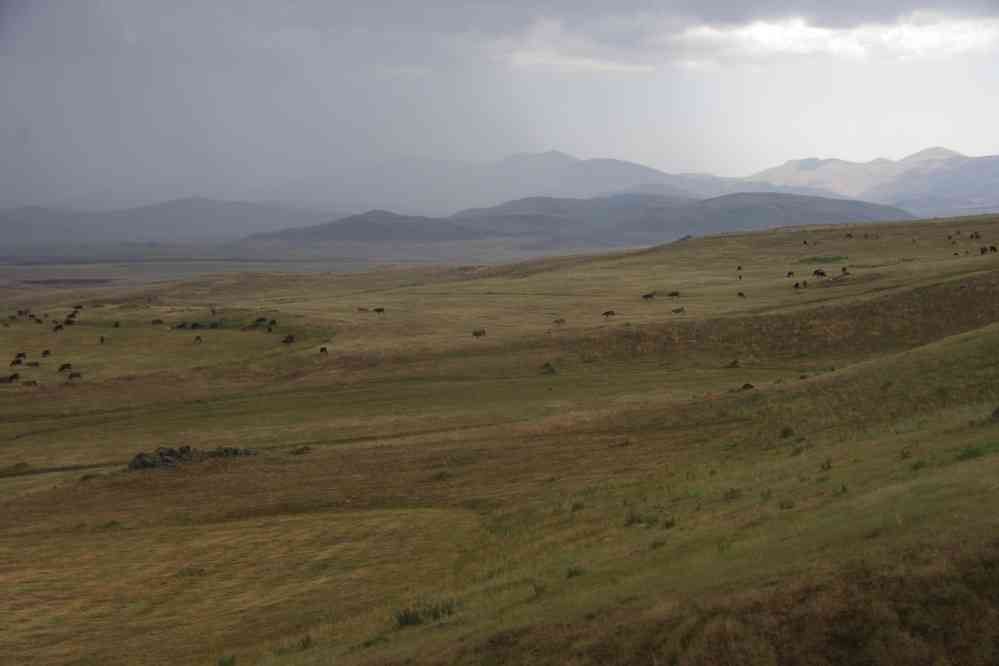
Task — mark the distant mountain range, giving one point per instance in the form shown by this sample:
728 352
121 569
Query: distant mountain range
529 224
932 182
192 220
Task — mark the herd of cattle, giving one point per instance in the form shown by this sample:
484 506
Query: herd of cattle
66 370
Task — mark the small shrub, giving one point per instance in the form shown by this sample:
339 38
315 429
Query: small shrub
424 612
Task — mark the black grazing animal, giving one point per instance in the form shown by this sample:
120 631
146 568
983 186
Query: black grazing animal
983 250
46 353
182 325
69 322
741 295
679 310
845 271
378 310
117 324
608 313
479 333
818 272
558 322
197 340
195 326
102 339
322 350
74 375
673 294
270 330
649 296
15 362
288 339
57 328
849 235
13 378
797 285
65 366
21 355
790 274
260 320
804 242
77 307
362 309
992 248
272 322
738 268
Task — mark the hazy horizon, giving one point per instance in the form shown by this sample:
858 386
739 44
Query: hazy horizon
137 101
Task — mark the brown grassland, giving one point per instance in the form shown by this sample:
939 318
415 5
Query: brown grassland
602 491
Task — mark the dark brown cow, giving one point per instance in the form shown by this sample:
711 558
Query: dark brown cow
739 267
362 309
117 324
21 355
197 340
649 296
65 366
74 375
558 322
849 235
992 248
13 378
479 333
983 250
845 271
16 362
322 350
797 285
608 313
741 295
673 294
102 339
378 310
157 322
790 274
57 328
818 272
679 310
288 339
46 353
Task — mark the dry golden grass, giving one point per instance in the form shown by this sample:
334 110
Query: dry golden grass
593 505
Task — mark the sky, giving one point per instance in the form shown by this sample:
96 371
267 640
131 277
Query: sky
145 99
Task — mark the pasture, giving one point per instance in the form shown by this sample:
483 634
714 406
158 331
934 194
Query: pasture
796 475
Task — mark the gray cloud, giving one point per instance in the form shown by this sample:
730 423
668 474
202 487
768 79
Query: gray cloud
140 99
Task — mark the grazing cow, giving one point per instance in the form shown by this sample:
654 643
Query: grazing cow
197 340
649 296
957 254
57 328
117 324
845 271
270 330
362 309
288 339
74 375
379 310
181 325
260 320
479 333
322 350
679 310
608 313
797 285
15 362
33 364
46 353
949 236
818 272
69 322
983 250
77 307
21 355
790 274
213 310
102 339
13 378
849 235
157 322
804 242
673 294
992 248
195 326
559 321
272 322
741 295
740 276
65 366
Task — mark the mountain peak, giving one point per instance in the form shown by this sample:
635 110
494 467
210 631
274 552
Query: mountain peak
548 157
929 154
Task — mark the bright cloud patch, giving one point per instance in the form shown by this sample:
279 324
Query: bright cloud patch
918 37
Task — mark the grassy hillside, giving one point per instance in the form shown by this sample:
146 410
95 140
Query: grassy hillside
787 476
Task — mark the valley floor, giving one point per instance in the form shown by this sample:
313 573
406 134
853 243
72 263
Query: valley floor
743 473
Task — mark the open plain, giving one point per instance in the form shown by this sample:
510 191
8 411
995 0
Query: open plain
743 472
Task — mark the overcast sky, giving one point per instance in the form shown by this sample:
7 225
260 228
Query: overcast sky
226 98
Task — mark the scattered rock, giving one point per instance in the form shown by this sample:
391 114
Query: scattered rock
166 456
